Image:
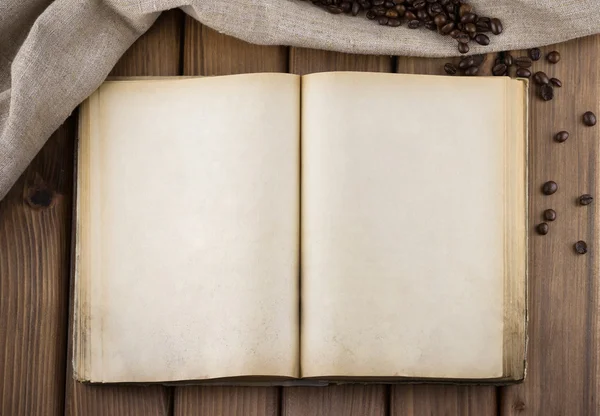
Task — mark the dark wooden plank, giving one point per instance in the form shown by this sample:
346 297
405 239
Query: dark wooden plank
306 61
347 400
226 401
207 52
563 346
441 399
35 234
156 53
424 399
343 399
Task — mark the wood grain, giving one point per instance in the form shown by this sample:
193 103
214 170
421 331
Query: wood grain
306 61
226 401
157 52
441 399
207 52
35 231
563 346
347 400
424 400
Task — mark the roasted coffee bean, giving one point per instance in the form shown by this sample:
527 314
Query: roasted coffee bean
450 69
496 26
542 228
355 8
394 22
549 215
410 16
422 15
346 6
556 82
371 15
523 73
561 136
460 27
454 33
499 69
482 26
468 18
470 28
483 19
549 188
535 54
463 38
472 71
334 9
463 47
589 118
414 24
547 92
447 28
467 62
389 4
580 247
523 62
419 4
382 20
377 2
540 78
440 20
553 57
430 25
400 9
586 199
482 39
464 9
508 59
391 13
379 11
435 9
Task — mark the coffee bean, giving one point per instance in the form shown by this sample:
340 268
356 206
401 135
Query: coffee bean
419 4
440 20
422 15
463 47
556 82
540 78
585 199
470 28
377 2
523 73
464 9
553 57
389 4
467 62
414 24
454 33
535 54
542 228
447 28
400 9
435 9
482 27
430 25
549 215
463 38
482 39
371 15
391 13
394 22
589 118
410 16
496 26
523 61
499 69
383 20
546 92
561 136
334 9
468 18
472 71
508 59
580 247
549 188
450 69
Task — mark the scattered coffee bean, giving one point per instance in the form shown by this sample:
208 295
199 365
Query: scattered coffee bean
471 29
580 247
523 62
553 57
547 92
540 78
440 20
508 59
482 39
450 69
499 69
549 215
414 24
542 228
463 38
561 136
586 199
549 188
463 47
523 73
589 118
556 82
535 54
472 71
467 62
496 26
464 9
394 22
382 20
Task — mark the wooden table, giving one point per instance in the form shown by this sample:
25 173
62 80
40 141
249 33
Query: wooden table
35 258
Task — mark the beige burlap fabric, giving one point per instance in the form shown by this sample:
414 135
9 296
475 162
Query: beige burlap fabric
53 54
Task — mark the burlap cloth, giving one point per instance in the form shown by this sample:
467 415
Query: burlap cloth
54 54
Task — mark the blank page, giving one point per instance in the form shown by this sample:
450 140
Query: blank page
403 225
188 229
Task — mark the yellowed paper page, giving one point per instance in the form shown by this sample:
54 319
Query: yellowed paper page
402 225
194 228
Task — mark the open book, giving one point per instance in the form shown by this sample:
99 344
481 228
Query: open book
336 226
